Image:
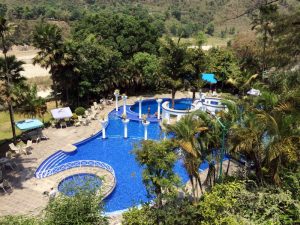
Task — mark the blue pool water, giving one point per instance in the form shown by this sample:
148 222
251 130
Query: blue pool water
180 104
117 152
79 182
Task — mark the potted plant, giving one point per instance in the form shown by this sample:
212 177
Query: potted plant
124 116
117 92
144 118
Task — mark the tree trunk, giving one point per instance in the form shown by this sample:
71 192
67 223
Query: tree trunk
194 95
228 165
173 98
200 184
55 93
12 120
10 106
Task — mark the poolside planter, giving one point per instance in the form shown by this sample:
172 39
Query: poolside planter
117 106
146 124
125 122
103 124
158 107
124 104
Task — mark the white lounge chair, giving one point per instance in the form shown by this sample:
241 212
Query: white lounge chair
14 148
63 124
86 113
110 101
27 148
95 105
101 107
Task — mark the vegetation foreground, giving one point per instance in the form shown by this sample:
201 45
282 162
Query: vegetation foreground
129 50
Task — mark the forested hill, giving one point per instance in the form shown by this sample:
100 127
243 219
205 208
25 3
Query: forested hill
180 17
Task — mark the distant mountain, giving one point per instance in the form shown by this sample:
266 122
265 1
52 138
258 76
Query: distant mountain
185 17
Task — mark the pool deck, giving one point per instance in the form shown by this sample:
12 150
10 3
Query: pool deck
27 196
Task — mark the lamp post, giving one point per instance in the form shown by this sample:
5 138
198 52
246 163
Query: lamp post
158 107
125 122
223 147
116 93
124 104
145 124
140 107
103 123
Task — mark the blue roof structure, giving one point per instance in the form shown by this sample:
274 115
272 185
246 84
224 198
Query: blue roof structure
209 77
29 124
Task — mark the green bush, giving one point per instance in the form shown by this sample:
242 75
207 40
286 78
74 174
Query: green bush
80 111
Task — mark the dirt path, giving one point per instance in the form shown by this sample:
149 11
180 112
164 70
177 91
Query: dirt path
26 54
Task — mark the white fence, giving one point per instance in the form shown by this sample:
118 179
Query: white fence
74 164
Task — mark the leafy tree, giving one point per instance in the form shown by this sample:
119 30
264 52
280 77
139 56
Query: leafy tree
83 208
196 63
48 39
158 160
28 102
223 64
246 49
285 38
210 29
201 38
144 69
19 220
263 24
173 57
3 10
127 34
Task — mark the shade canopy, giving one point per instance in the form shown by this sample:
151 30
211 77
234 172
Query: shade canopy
209 77
254 92
61 113
29 124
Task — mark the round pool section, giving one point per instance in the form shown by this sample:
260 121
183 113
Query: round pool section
80 182
180 104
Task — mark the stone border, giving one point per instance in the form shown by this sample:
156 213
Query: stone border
107 187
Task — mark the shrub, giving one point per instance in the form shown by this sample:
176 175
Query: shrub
80 111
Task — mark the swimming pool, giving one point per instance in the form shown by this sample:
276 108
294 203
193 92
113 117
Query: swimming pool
117 152
73 184
180 104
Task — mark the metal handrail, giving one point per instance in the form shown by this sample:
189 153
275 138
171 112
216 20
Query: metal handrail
74 164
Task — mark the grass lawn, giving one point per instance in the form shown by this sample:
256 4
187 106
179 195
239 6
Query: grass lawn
5 128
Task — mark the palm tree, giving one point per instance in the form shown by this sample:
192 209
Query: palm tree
5 31
194 134
48 39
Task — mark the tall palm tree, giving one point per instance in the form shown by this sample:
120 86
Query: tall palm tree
48 39
194 135
6 30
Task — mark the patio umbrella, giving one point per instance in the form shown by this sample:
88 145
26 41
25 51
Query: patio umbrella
29 124
210 78
61 113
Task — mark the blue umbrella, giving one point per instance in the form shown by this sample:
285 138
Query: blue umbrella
29 124
209 77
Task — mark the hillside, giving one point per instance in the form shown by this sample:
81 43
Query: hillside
185 17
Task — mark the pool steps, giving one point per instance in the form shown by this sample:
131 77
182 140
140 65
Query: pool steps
51 162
